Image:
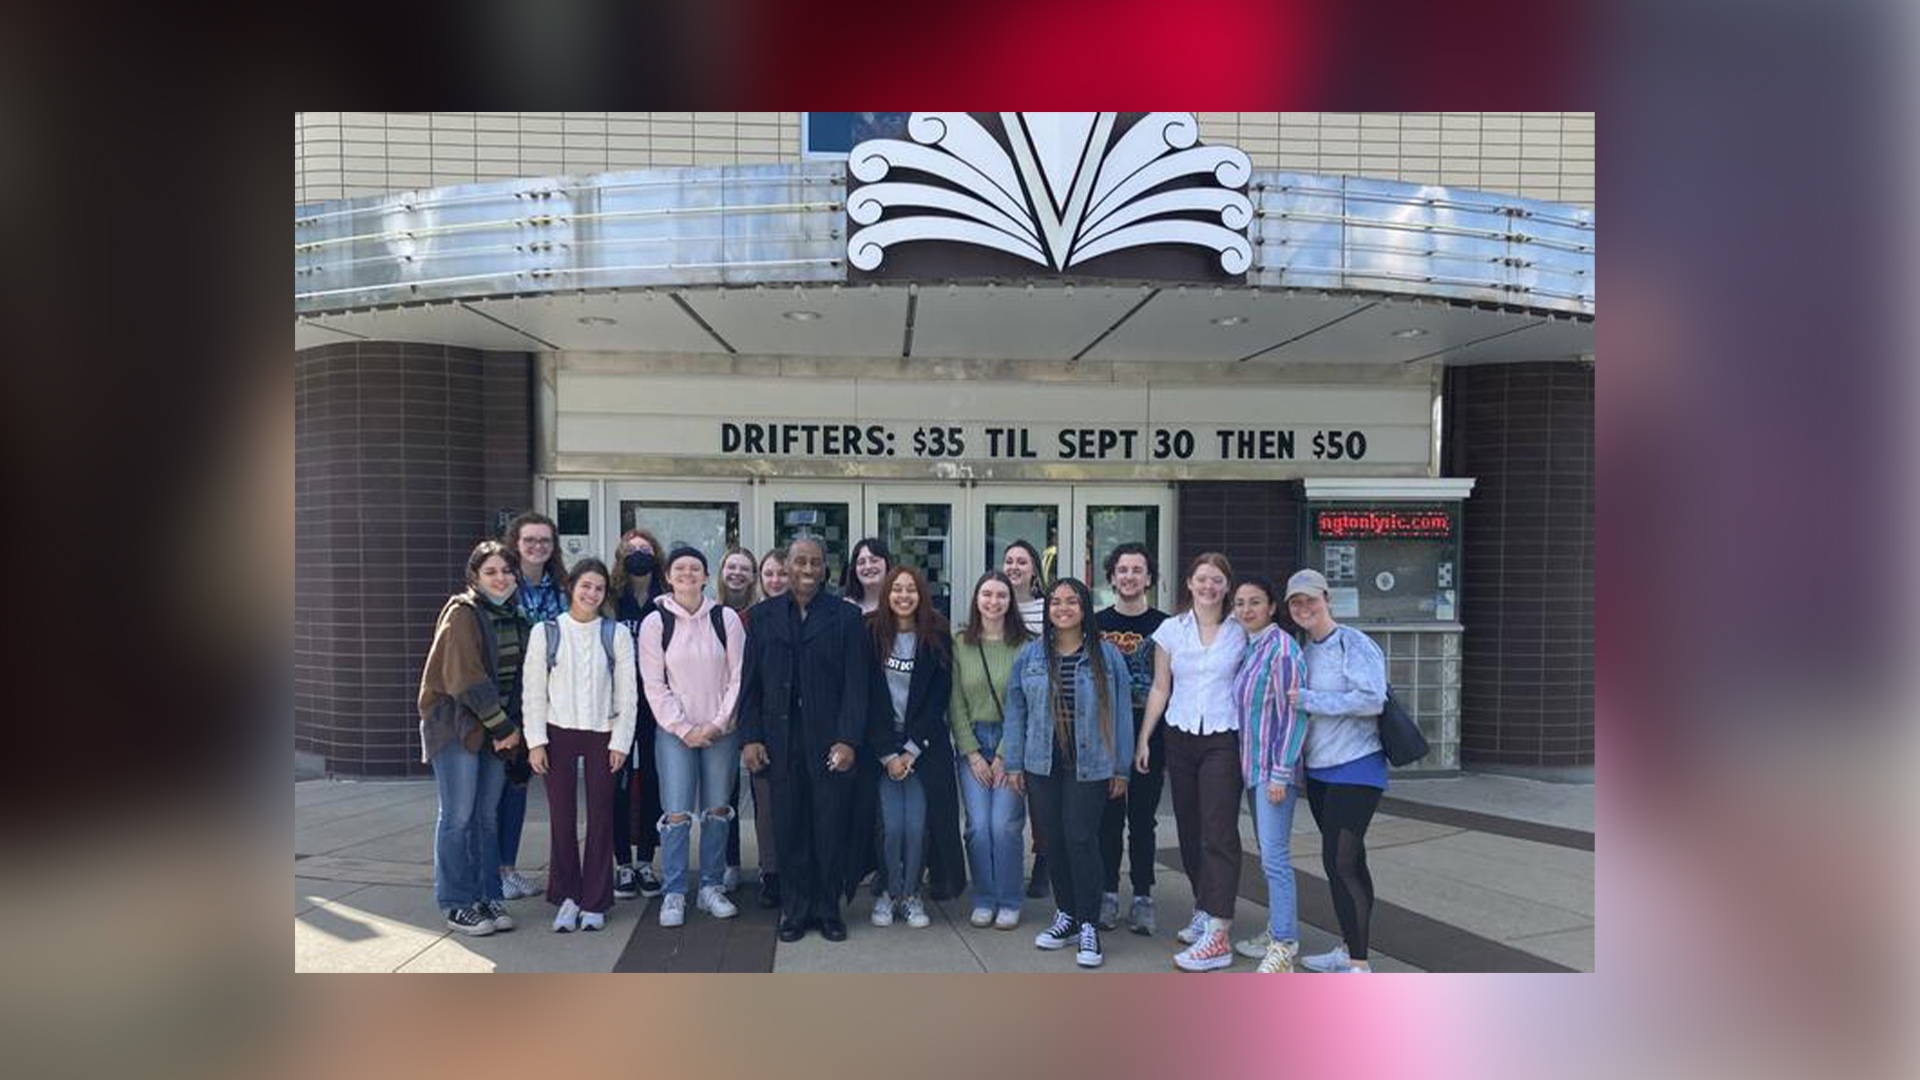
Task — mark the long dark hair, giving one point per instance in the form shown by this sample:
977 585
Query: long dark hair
1034 554
554 568
482 551
850 586
1090 643
1014 628
656 581
929 626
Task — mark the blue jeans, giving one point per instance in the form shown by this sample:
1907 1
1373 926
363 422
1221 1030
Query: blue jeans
996 818
466 842
1273 825
903 833
693 779
513 818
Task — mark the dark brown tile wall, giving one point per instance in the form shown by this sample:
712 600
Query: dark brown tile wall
1255 524
1525 433
402 454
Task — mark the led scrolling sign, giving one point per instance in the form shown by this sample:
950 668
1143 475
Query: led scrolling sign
1330 524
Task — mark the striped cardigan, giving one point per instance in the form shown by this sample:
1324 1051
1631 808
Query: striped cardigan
1272 731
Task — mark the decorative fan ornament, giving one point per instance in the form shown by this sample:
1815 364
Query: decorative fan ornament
1061 197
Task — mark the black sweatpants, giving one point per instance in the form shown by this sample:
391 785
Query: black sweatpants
1135 812
1343 812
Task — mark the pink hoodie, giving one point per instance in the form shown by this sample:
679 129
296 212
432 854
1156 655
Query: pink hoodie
704 677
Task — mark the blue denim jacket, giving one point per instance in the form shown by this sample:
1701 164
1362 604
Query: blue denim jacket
1027 744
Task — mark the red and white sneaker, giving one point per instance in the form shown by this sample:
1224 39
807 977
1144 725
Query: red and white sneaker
1211 953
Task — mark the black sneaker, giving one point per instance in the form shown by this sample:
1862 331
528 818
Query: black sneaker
471 919
626 884
1089 955
650 883
1059 935
497 911
1039 885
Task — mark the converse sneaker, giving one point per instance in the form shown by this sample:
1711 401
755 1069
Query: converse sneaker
497 911
673 909
1327 962
471 919
1191 933
1142 916
917 913
650 883
1279 958
982 917
593 920
1058 936
1089 955
713 901
626 883
1211 953
1255 947
1109 910
883 910
515 886
567 919
1006 918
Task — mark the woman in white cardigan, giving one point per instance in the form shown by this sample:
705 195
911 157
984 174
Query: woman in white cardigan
580 702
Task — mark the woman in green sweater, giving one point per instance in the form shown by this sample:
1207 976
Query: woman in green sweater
983 658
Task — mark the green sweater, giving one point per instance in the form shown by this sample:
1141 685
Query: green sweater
973 699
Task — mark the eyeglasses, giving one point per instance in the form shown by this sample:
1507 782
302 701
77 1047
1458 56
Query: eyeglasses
537 541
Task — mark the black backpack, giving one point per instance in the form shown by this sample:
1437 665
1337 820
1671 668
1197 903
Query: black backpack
716 615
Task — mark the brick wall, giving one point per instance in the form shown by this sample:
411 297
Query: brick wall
1255 524
401 452
1525 432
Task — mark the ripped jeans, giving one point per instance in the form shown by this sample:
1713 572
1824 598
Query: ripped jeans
695 781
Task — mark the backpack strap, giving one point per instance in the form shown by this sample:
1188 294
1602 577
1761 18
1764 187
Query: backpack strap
718 616
607 627
553 642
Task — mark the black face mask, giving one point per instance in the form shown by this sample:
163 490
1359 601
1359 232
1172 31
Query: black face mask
640 563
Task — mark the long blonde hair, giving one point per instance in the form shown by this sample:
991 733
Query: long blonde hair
747 597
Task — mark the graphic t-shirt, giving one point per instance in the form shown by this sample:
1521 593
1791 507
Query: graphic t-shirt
1133 636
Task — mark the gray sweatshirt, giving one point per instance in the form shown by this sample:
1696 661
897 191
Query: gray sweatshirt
1346 689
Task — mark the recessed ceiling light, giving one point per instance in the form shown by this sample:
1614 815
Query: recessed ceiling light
596 320
802 316
1229 320
1410 332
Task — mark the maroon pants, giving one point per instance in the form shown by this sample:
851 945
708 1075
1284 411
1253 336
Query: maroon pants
566 746
1204 773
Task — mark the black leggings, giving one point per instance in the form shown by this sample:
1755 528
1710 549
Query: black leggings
1343 811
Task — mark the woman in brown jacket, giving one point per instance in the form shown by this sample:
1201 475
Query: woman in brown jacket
467 717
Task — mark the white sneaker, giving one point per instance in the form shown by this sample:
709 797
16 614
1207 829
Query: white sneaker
1279 958
1355 970
568 918
1007 918
1089 955
1211 953
917 913
730 880
713 901
673 909
593 920
1255 947
982 917
883 910
1194 929
515 886
1061 934
1328 962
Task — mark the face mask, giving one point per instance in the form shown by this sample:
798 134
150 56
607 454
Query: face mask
640 563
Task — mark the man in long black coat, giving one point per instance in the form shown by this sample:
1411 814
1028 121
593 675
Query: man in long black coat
803 710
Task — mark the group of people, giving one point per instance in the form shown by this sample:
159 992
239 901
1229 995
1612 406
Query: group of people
865 722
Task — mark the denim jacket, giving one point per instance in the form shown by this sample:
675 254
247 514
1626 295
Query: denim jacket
1027 743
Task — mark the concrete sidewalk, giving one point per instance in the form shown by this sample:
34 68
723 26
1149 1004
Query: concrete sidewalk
1475 873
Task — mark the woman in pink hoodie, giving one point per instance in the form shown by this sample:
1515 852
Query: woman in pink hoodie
690 655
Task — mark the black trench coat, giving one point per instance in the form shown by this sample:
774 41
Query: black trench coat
928 693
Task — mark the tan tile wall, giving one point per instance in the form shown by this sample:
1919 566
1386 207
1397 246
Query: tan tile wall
351 154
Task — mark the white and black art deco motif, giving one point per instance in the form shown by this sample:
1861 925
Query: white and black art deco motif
1060 191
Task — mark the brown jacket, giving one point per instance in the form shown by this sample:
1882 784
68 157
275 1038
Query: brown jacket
459 689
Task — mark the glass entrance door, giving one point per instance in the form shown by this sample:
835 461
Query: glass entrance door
918 524
1040 514
708 517
1105 517
832 512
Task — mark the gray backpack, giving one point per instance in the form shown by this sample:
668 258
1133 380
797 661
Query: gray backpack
607 627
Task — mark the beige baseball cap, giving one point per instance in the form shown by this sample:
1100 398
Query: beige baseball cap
1306 583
